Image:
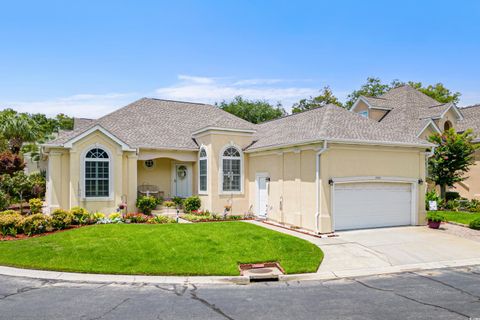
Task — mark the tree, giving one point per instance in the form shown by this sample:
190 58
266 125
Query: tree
326 97
437 92
373 88
453 156
17 129
254 111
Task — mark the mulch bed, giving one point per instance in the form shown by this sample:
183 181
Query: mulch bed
24 236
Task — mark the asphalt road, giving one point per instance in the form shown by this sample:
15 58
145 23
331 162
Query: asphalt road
439 294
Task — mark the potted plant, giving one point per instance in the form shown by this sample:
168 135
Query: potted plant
434 219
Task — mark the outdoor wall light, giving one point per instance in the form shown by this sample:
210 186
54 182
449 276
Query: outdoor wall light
420 181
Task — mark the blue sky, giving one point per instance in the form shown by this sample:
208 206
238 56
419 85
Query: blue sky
86 58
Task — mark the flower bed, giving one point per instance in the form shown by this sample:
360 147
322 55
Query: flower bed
205 216
14 225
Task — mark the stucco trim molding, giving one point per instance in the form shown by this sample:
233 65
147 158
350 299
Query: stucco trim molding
220 170
111 176
429 123
125 147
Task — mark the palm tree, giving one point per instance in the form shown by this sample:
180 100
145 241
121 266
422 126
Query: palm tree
17 129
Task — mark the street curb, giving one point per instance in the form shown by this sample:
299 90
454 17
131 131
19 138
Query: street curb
202 280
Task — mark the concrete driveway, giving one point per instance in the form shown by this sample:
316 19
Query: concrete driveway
384 248
376 248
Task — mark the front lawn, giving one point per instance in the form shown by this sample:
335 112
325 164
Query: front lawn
173 249
460 217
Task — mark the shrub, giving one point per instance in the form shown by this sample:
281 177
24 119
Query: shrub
178 201
160 220
4 200
36 205
10 224
94 217
146 204
10 163
169 204
114 215
475 224
435 216
8 212
61 219
36 223
474 205
80 216
453 205
136 217
192 203
451 195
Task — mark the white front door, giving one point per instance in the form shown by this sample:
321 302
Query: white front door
262 195
181 180
372 205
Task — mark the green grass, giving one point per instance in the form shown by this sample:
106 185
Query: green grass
460 217
174 249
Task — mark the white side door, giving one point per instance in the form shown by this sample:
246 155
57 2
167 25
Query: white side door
262 195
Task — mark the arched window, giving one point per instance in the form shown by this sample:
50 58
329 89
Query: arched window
231 170
447 125
202 171
97 173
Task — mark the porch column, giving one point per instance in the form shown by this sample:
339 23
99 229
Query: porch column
132 181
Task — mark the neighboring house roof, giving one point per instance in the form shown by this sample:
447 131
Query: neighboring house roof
409 109
331 123
471 119
159 124
81 122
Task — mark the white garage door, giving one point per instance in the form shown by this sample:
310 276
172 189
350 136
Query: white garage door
370 205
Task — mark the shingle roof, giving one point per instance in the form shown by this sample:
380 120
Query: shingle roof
327 123
81 122
155 123
409 108
471 119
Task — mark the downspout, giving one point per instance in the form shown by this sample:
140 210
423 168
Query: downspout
317 182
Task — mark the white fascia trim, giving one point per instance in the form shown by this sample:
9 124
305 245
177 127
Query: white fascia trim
432 123
125 147
373 179
223 129
345 141
455 108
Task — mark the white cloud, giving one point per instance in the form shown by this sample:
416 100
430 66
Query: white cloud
79 105
210 90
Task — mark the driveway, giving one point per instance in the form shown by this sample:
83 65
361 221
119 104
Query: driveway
374 249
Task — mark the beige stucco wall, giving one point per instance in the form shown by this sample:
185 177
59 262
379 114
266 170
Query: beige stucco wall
449 116
292 178
374 114
66 185
470 188
160 175
214 200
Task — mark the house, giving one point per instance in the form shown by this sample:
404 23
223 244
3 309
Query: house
323 170
408 110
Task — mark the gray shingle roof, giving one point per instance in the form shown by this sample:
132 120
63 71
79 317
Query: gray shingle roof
327 123
155 123
81 122
471 119
409 109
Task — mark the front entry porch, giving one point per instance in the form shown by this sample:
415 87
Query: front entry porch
165 177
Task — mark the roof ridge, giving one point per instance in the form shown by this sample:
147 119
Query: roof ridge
179 101
472 106
299 113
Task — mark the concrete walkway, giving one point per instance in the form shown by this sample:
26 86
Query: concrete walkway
351 254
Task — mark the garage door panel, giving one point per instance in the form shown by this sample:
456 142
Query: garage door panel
368 205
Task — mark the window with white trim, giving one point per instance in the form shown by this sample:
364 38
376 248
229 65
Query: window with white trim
231 170
202 170
97 173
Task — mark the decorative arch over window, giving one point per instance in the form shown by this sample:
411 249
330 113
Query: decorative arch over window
202 171
231 170
447 125
97 173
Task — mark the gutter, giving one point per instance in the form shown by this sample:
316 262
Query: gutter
317 185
